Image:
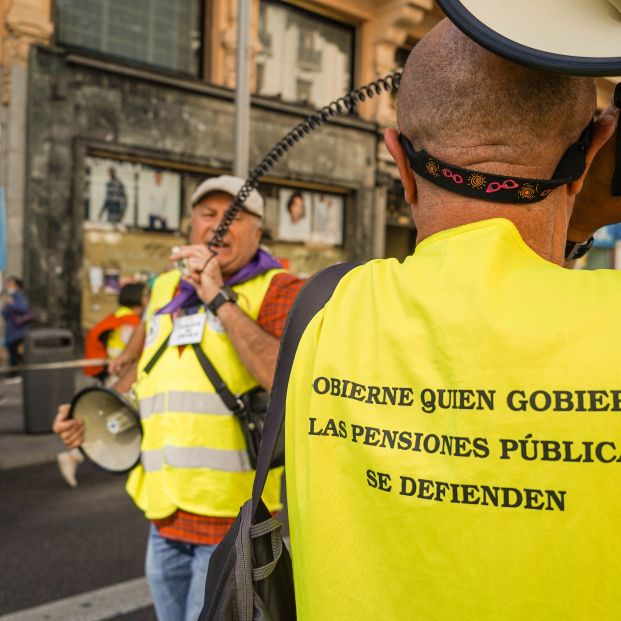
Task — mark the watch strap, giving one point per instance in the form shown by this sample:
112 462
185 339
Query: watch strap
226 294
575 250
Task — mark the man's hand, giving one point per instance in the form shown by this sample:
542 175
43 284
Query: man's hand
120 364
125 381
203 270
595 206
130 355
71 431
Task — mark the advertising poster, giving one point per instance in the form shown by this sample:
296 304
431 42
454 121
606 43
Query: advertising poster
327 219
310 217
295 215
159 199
110 191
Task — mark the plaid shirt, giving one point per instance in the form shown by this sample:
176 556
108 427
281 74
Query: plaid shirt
209 530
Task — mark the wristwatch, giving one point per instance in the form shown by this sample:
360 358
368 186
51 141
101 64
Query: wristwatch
226 294
575 250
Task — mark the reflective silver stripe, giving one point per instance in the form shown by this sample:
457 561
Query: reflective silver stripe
196 457
152 460
196 402
155 404
202 457
183 401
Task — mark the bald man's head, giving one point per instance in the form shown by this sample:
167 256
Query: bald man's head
467 106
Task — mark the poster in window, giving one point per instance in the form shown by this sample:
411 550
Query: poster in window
110 191
159 199
327 220
295 215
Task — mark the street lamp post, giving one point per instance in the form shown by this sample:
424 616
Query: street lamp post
242 91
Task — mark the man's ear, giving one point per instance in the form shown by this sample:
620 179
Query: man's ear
603 131
391 139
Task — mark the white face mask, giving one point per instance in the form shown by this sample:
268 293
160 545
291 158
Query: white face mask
11 290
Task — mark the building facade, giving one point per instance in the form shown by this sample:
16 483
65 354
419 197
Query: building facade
112 112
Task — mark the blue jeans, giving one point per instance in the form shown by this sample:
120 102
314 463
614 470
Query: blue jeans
177 573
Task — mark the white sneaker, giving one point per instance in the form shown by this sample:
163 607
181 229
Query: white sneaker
68 466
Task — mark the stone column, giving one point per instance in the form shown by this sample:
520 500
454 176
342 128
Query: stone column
24 23
224 46
396 21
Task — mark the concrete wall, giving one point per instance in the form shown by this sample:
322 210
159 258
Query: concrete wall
74 103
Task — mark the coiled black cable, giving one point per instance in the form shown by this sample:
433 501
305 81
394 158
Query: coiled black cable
342 105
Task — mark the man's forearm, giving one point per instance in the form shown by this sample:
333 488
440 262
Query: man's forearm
257 349
128 377
134 346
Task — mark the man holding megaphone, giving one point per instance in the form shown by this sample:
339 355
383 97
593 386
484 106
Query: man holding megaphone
194 472
502 500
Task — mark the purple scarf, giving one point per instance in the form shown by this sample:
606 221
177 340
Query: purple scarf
186 296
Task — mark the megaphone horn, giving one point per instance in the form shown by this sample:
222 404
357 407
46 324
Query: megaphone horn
112 429
582 37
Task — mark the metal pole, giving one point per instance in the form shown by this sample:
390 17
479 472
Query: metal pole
242 91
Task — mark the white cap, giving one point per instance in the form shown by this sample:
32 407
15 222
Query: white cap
230 185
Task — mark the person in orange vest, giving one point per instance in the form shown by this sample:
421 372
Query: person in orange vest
109 337
106 339
452 445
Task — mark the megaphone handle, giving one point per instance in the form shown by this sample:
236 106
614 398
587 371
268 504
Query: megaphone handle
616 177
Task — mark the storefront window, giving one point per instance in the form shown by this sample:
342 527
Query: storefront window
155 32
304 58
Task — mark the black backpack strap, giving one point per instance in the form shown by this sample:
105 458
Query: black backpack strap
220 387
157 355
311 299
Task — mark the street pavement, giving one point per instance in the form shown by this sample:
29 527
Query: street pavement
17 448
66 554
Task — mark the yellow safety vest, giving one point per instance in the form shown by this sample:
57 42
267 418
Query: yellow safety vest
454 443
193 452
115 343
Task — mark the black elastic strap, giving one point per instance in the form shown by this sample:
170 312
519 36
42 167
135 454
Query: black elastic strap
220 387
616 177
499 188
311 299
157 355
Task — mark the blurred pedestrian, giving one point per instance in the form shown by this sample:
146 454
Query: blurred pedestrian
17 316
109 337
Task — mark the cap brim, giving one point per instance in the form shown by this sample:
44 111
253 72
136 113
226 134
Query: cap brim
581 37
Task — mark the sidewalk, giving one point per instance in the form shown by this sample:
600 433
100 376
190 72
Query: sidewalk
18 448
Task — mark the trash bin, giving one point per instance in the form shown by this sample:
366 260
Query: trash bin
45 389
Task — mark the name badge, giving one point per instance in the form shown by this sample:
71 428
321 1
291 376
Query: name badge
154 328
188 329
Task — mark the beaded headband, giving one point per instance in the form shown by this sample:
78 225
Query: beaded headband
499 188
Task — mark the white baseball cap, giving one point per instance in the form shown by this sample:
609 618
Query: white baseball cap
230 185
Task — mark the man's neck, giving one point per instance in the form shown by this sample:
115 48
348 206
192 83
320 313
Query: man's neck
542 226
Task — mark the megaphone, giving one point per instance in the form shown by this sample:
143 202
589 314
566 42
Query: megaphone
112 429
582 37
